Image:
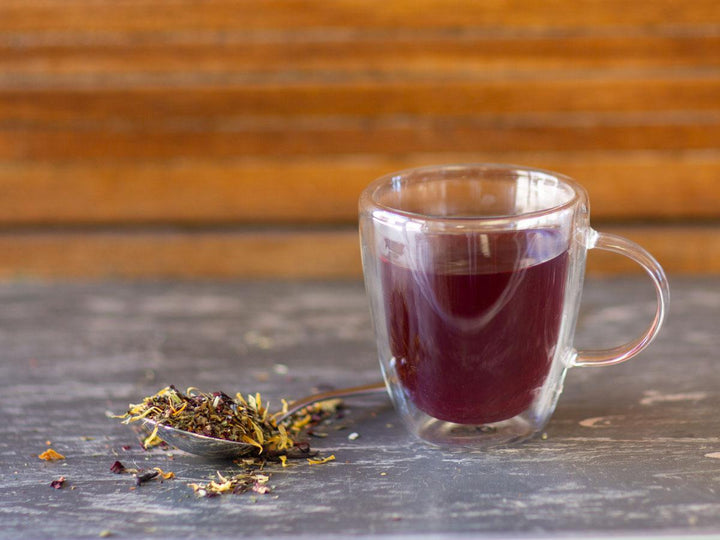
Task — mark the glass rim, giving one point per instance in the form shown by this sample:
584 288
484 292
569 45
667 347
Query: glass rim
369 194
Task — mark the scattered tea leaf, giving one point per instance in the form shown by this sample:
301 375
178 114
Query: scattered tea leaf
281 369
142 477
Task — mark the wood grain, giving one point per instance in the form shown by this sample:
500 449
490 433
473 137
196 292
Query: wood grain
622 185
134 134
219 15
69 58
194 100
138 254
280 254
392 136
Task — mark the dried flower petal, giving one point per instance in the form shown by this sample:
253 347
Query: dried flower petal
152 439
57 484
165 475
117 468
261 488
322 460
51 455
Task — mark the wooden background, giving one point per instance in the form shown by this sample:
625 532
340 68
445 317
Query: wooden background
210 138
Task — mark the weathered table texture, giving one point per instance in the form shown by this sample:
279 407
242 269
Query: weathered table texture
632 450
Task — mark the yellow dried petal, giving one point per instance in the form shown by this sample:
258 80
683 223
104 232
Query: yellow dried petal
328 405
224 485
152 439
220 488
252 441
136 417
285 441
51 455
165 475
163 391
321 461
264 412
302 422
181 409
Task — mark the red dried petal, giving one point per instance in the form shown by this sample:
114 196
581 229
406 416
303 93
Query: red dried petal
117 468
57 484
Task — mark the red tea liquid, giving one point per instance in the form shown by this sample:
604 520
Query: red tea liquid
473 336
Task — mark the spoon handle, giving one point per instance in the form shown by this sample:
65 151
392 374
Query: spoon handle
295 406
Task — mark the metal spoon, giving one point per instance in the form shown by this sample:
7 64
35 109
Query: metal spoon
210 447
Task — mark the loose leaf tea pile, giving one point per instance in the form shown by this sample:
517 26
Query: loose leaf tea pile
235 484
241 419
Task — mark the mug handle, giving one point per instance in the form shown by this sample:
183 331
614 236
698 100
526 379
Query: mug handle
623 246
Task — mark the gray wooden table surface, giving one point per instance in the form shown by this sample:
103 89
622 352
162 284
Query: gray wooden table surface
631 450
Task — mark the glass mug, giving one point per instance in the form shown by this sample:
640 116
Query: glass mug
474 275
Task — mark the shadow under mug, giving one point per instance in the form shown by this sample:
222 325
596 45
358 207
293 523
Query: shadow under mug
474 275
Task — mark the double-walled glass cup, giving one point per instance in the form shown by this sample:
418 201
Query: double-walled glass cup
474 275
